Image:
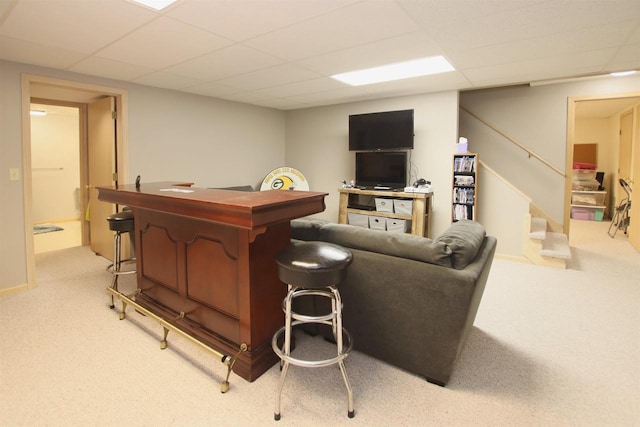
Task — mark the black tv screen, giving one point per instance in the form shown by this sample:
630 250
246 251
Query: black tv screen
391 130
381 169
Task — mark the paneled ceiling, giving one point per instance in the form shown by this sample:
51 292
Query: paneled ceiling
281 53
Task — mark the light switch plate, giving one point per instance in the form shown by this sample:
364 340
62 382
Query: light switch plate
14 174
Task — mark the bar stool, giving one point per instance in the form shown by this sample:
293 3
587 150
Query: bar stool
312 269
121 222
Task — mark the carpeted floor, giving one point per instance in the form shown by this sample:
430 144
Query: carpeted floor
549 347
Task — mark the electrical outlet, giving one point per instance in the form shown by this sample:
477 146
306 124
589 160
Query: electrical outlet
14 174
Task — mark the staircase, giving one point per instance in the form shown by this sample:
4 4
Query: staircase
543 247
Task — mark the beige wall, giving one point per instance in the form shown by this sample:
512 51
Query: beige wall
535 117
178 136
171 136
317 145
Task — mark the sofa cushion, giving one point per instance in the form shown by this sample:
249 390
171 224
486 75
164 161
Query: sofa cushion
394 244
307 229
463 239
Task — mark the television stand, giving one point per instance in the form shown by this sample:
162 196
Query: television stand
420 216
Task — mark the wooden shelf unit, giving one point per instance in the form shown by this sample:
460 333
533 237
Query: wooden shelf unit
465 187
421 208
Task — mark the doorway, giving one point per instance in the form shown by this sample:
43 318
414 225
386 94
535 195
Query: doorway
62 91
596 122
55 174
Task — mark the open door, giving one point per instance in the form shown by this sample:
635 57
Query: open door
101 150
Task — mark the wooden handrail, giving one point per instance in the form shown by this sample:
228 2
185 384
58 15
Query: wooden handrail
517 144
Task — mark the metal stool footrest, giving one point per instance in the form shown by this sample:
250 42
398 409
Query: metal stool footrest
311 363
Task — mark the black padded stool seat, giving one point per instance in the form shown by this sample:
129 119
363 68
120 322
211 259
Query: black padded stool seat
121 221
312 264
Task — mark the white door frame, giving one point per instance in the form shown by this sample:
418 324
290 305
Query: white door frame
571 121
121 97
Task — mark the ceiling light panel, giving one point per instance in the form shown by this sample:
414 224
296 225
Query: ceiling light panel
397 71
155 4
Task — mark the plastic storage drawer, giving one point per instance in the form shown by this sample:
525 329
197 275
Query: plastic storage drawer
587 213
588 198
584 175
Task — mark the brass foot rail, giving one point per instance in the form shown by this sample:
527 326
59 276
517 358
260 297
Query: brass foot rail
227 360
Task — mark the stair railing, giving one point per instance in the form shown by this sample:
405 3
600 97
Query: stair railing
514 142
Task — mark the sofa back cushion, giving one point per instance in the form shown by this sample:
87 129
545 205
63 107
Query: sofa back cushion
463 239
394 244
307 229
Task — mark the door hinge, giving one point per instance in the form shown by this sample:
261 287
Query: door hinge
114 115
115 177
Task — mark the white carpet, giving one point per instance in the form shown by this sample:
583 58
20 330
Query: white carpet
549 347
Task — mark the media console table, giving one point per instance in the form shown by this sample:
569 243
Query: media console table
351 201
205 264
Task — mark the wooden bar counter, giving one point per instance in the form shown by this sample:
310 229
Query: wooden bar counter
210 254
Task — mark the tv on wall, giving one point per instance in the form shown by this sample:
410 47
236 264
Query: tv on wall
391 130
381 169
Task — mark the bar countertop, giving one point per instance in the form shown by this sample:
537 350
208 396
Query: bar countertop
238 208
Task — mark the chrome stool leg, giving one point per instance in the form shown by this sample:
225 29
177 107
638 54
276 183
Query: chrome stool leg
286 349
116 265
336 302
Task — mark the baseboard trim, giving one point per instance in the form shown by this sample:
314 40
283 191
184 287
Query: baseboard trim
14 290
516 258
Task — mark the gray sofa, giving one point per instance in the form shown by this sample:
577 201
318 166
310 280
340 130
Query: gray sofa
408 300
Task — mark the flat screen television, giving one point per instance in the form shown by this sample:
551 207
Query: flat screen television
382 169
391 130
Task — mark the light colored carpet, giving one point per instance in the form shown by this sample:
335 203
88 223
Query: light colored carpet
549 348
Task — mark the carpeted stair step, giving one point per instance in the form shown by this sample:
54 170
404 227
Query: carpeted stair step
556 245
538 228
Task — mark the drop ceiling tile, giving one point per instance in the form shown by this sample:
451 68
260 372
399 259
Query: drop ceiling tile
635 36
32 53
581 63
212 89
236 59
337 30
306 86
274 76
242 20
283 104
167 80
346 94
163 43
395 49
543 47
110 69
248 97
626 58
81 26
528 21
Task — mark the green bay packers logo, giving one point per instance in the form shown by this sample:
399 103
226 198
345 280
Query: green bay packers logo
285 178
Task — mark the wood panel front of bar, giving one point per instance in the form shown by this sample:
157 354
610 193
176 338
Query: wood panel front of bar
210 254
